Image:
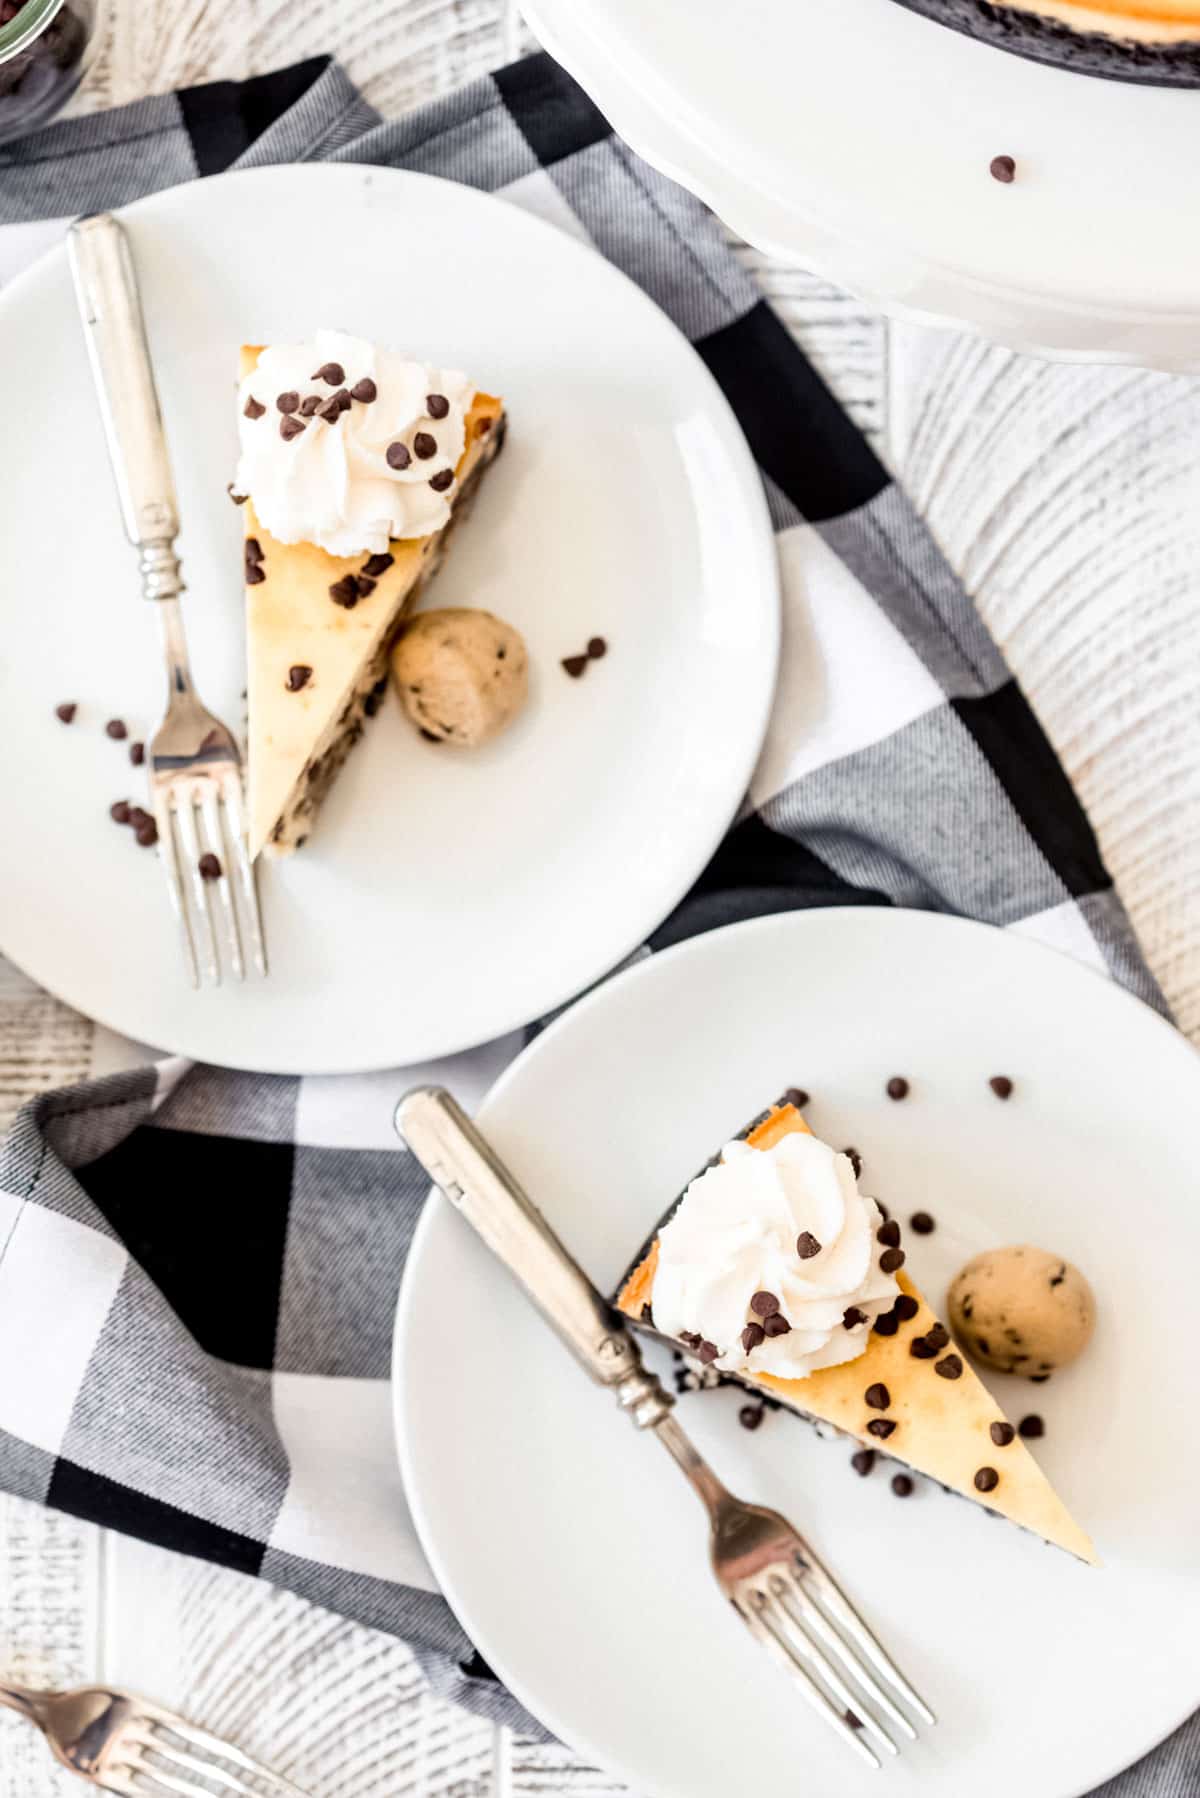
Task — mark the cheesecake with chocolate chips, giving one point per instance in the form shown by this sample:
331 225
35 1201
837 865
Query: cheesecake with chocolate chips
774 1268
356 467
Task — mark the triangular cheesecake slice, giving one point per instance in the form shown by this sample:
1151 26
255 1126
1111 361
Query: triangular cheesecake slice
949 1428
317 663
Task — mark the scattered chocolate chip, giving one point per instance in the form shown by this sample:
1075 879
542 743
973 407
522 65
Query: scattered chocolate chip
886 1324
442 479
855 1160
137 754
287 402
597 648
752 1335
147 833
708 1351
921 1349
878 1396
312 402
298 675
852 1317
424 446
364 390
938 1336
897 1087
1001 1434
1001 1085
862 1461
1002 168
209 867
255 574
437 405
115 728
750 1416
119 813
574 665
902 1485
881 1427
807 1245
777 1325
890 1260
239 499
345 591
65 713
291 427
921 1223
889 1234
138 817
764 1304
1031 1427
950 1367
252 409
906 1307
377 565
986 1479
398 455
332 373
796 1095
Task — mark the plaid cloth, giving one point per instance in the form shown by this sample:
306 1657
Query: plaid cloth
198 1269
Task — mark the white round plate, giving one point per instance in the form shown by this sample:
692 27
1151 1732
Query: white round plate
856 137
445 897
570 1547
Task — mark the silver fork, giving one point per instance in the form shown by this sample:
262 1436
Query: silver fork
125 1744
765 1568
195 769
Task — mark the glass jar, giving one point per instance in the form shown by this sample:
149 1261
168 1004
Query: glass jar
45 48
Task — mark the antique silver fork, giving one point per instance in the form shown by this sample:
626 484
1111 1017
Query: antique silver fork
765 1568
195 769
127 1745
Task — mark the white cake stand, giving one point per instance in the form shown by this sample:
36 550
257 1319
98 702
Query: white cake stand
856 137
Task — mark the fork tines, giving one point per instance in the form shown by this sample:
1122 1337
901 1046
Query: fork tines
202 841
161 1753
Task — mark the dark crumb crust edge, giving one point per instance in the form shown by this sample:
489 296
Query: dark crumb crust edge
1045 40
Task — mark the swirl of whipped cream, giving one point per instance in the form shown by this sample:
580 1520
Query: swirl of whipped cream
331 483
735 1234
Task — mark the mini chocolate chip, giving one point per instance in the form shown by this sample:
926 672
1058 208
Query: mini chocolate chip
938 1336
329 410
1031 1427
252 409
345 591
852 1317
902 1485
889 1234
750 1416
147 834
1037 1379
291 427
878 1396
209 867
950 1367
115 728
776 1325
807 1245
442 479
138 817
796 1095
752 1335
921 1349
398 455
906 1307
288 402
862 1461
1001 1434
437 405
921 1223
342 400
881 1427
1058 1278
298 675
764 1304
424 446
137 754
1001 1085
574 665
255 574
364 390
119 813
690 1337
1002 168
882 1209
852 1719
312 402
886 1324
364 583
708 1351
855 1160
239 499
332 373
597 648
981 1345
377 564
252 550
890 1260
897 1087
986 1479
65 713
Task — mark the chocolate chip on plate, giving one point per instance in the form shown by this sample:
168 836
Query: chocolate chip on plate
950 1367
776 1325
796 1095
364 390
862 1461
574 665
424 446
921 1223
291 427
287 402
147 833
377 564
437 405
597 648
137 754
752 1335
398 455
807 1245
1002 168
1001 1085
881 1427
119 812
902 1485
66 712
852 1317
1001 1434
897 1087
138 817
252 408
332 373
906 1307
1031 1427
878 1396
750 1416
298 675
764 1304
209 866
891 1260
986 1479
442 479
889 1234
116 729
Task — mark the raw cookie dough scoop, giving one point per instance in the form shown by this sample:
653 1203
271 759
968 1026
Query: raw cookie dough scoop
1022 1310
462 674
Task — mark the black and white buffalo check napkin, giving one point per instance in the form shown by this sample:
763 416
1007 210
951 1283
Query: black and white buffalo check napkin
198 1269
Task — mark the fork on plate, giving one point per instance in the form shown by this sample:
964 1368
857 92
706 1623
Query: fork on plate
766 1569
127 1745
194 765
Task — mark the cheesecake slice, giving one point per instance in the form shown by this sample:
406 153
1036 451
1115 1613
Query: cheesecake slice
319 624
906 1391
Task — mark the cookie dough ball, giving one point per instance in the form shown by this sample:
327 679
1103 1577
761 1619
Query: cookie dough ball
462 675
1022 1310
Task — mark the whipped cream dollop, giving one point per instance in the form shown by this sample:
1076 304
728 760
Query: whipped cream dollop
379 465
785 1224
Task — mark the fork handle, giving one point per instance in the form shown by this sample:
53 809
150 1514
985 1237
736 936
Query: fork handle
110 306
472 1176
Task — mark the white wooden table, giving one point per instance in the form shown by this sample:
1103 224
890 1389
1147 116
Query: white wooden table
1070 500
